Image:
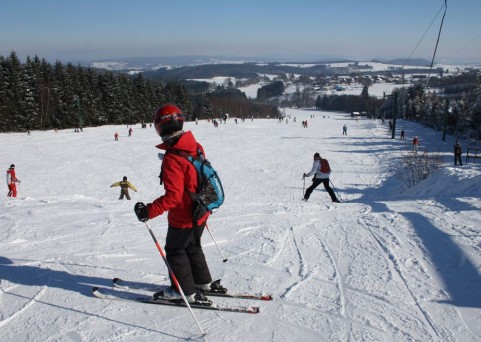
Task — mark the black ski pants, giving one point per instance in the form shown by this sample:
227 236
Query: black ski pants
457 158
315 184
186 258
124 192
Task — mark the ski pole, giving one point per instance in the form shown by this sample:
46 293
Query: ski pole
174 279
335 190
224 259
303 186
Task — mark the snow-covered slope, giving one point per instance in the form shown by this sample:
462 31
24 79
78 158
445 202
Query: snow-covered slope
386 265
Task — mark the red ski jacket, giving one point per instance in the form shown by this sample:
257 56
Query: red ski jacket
179 177
11 177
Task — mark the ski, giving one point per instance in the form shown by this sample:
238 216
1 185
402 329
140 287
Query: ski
131 285
108 294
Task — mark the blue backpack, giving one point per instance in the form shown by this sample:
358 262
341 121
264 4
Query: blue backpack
209 194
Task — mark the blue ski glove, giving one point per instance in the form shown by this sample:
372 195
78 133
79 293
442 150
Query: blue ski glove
141 211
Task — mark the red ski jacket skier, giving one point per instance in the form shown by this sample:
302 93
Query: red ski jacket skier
179 178
11 181
183 242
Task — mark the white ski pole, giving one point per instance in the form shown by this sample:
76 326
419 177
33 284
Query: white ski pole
224 259
174 279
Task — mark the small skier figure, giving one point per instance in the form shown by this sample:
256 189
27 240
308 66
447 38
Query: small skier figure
130 131
116 136
124 188
344 130
457 153
11 181
402 134
415 144
320 176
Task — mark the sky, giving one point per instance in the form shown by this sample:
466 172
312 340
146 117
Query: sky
309 30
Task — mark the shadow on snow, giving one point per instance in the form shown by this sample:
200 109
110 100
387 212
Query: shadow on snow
460 277
38 276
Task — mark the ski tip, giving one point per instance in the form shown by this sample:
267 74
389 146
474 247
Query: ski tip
267 297
115 280
95 289
255 310
225 260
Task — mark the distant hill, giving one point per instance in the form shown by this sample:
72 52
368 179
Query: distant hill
245 70
419 62
206 67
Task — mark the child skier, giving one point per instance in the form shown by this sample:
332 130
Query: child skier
124 188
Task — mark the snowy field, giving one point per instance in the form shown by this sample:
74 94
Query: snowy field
389 264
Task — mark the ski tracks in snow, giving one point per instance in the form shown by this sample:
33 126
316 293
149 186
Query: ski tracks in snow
22 308
383 232
307 269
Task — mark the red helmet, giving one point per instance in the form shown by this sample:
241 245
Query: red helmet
168 119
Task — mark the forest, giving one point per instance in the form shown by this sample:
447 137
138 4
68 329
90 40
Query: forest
36 95
452 104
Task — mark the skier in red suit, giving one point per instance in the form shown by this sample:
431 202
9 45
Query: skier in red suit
11 181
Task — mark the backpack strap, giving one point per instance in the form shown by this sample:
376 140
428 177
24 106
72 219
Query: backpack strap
191 159
194 196
179 153
176 152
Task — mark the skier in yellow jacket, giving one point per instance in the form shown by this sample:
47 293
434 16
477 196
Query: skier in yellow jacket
124 188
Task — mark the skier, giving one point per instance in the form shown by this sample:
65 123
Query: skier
415 144
183 242
116 136
344 130
11 181
321 175
124 188
130 131
457 153
402 134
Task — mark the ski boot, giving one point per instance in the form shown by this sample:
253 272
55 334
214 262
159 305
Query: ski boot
216 287
172 296
201 299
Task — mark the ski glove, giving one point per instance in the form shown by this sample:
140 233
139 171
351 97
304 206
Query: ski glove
141 211
304 175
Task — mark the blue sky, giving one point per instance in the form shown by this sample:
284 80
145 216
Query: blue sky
73 30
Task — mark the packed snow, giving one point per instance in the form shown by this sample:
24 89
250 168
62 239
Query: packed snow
387 264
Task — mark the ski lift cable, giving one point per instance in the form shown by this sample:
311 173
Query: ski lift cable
420 40
467 44
437 42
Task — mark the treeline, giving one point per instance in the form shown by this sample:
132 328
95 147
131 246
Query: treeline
233 102
458 107
37 95
350 103
460 112
273 89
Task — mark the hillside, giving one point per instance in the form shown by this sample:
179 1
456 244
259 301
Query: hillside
389 264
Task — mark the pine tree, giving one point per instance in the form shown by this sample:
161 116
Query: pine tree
30 94
318 102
